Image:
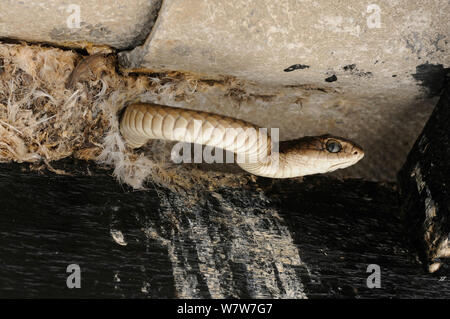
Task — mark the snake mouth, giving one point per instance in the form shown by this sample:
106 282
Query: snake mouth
341 165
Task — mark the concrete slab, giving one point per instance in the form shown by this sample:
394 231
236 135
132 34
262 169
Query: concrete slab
293 42
119 24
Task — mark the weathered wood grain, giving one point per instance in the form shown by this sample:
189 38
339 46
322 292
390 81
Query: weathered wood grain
425 188
273 239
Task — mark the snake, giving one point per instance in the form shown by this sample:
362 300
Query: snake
256 152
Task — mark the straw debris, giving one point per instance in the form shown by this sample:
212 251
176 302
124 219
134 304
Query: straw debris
55 104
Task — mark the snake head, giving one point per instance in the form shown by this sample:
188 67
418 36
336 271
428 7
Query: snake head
337 152
321 154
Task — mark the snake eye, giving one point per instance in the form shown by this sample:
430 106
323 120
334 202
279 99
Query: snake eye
333 146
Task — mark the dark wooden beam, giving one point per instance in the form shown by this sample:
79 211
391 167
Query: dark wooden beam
425 188
313 238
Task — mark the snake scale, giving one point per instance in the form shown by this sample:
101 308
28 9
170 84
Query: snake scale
255 151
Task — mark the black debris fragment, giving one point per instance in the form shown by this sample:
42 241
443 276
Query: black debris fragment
331 78
296 67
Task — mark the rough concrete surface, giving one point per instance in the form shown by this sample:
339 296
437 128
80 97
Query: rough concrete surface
293 42
374 69
119 24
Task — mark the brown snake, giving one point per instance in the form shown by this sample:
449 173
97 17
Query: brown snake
308 155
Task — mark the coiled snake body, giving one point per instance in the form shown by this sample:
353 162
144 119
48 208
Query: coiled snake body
254 149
